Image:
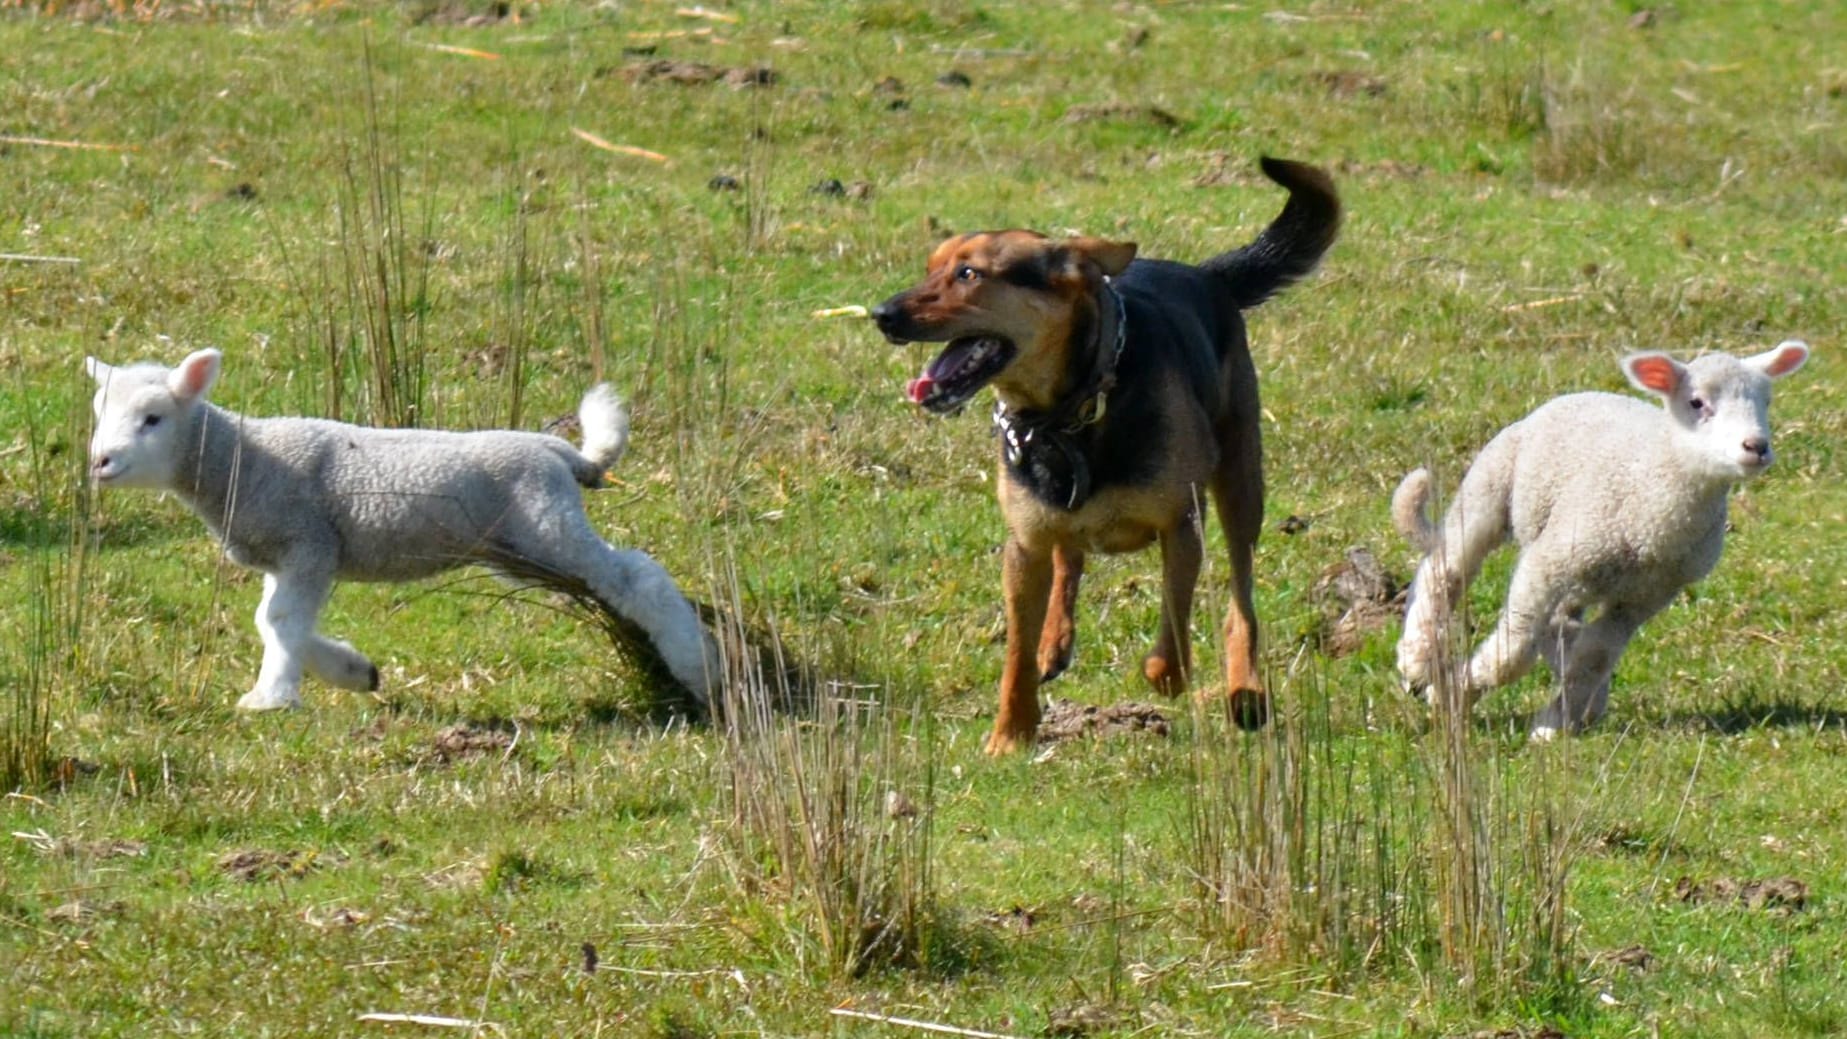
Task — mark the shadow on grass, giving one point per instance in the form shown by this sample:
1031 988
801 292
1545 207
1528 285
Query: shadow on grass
1732 719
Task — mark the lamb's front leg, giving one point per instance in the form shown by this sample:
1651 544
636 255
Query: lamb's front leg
285 619
337 663
1584 681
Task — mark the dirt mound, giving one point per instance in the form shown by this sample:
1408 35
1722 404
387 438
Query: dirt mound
467 741
1065 720
1777 894
257 864
1365 595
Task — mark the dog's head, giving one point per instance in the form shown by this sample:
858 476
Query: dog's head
1006 303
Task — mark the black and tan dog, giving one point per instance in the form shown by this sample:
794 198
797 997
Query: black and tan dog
1125 387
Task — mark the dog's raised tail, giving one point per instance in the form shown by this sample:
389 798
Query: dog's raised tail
1410 511
1294 242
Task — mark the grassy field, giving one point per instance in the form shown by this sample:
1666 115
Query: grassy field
424 213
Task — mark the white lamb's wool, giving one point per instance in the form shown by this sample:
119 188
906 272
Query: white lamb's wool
308 502
1616 507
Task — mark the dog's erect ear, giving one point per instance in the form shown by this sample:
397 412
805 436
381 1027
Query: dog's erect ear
1110 257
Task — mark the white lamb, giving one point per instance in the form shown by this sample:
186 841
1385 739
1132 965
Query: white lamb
308 501
1615 505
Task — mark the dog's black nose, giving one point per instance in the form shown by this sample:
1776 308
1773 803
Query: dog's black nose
884 314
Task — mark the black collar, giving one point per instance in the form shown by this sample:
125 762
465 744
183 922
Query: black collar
1038 445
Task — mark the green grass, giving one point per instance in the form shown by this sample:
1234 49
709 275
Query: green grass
1681 184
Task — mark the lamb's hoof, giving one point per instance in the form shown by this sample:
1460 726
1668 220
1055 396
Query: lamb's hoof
268 700
372 680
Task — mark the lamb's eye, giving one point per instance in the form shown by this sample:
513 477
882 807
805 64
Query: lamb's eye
967 273
1696 405
150 421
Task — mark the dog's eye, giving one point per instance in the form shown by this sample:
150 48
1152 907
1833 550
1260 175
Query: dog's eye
967 273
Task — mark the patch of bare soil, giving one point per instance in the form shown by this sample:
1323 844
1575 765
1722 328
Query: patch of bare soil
80 911
252 865
1081 1019
469 741
1017 919
77 848
1775 895
466 15
1635 957
1387 169
1066 720
697 73
1348 83
1358 597
1122 111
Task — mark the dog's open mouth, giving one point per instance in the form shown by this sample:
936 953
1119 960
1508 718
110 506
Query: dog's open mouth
962 369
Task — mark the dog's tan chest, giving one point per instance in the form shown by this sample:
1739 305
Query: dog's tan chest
1116 520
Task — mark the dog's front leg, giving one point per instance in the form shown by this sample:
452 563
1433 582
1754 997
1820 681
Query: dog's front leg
1168 667
1026 585
1060 634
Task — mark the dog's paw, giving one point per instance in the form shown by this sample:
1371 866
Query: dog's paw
1161 673
1002 742
1053 665
1250 709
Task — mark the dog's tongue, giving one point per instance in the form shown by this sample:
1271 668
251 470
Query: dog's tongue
919 388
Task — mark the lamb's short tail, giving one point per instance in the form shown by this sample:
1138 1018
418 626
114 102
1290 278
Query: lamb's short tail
605 426
1291 244
1410 511
1294 242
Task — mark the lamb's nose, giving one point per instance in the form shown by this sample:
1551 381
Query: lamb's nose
1759 446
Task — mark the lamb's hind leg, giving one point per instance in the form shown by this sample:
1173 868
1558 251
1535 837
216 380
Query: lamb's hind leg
1476 523
285 620
1511 649
634 586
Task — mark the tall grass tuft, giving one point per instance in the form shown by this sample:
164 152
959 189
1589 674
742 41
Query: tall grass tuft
1500 844
1501 847
50 661
1299 842
367 297
1423 850
830 813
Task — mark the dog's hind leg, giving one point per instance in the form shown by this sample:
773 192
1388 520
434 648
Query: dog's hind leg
1237 492
1170 664
1026 585
1056 643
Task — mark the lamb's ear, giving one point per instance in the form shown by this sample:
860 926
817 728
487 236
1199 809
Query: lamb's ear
1654 372
193 379
1112 258
1782 359
98 370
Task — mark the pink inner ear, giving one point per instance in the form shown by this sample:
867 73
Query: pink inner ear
1787 360
196 374
1656 373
